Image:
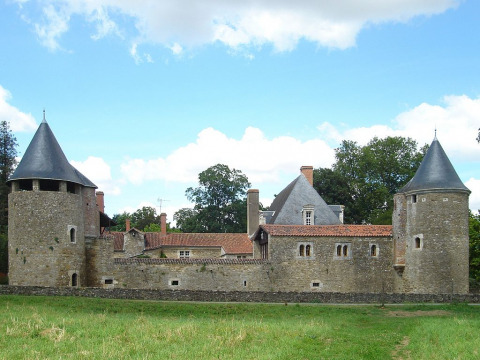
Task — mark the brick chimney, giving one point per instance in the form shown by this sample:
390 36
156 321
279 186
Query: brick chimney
100 196
127 225
253 211
307 171
163 223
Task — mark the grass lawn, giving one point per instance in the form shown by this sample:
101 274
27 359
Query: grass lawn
84 328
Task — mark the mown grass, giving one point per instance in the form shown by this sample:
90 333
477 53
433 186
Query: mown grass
82 328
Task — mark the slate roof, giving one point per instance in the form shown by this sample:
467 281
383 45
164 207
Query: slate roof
289 203
436 172
44 159
329 230
232 243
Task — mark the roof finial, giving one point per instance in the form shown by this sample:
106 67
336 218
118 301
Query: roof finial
44 120
435 138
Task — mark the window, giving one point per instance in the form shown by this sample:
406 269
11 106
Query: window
308 218
184 254
343 251
414 199
72 233
264 250
373 250
244 282
174 282
108 281
305 250
74 279
316 284
49 185
418 243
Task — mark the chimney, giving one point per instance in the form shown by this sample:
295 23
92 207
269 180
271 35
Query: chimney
253 207
100 196
127 225
307 171
163 223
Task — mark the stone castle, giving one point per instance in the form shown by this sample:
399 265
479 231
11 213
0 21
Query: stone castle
58 237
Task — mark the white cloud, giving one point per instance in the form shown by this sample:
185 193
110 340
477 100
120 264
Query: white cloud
98 171
474 186
234 23
18 120
456 121
260 158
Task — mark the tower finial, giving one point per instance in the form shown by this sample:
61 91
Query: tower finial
435 138
44 120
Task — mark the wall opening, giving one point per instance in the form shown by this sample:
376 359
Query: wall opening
71 187
302 250
373 250
307 250
72 235
418 243
174 282
25 185
74 280
49 185
108 281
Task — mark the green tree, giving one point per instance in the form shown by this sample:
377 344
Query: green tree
474 233
121 220
8 152
220 202
143 217
365 178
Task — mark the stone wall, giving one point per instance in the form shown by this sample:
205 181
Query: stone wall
436 254
357 270
241 296
192 274
40 249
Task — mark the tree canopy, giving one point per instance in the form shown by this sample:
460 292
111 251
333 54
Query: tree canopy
8 153
220 202
144 219
365 178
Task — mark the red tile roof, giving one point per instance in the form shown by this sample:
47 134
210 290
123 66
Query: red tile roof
329 230
230 242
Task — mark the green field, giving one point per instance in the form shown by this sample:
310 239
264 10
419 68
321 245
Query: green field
83 328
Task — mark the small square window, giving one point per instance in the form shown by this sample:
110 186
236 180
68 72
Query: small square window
108 281
174 282
184 254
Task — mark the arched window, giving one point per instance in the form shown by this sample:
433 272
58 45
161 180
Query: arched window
307 250
373 250
418 243
302 250
339 250
345 250
72 235
74 279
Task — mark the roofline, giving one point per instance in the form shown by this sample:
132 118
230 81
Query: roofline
55 179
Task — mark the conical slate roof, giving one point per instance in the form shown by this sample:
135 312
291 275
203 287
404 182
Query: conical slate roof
44 159
436 172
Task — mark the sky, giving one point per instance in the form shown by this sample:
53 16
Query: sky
144 95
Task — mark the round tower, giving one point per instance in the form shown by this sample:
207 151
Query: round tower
430 229
52 210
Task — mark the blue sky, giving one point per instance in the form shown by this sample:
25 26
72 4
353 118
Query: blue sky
143 95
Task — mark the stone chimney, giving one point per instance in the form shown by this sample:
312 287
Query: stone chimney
307 171
163 223
253 211
127 225
100 196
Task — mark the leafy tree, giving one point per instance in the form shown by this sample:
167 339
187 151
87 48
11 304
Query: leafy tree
474 233
121 220
8 152
145 216
365 178
220 202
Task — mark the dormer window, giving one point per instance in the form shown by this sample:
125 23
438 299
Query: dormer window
308 215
